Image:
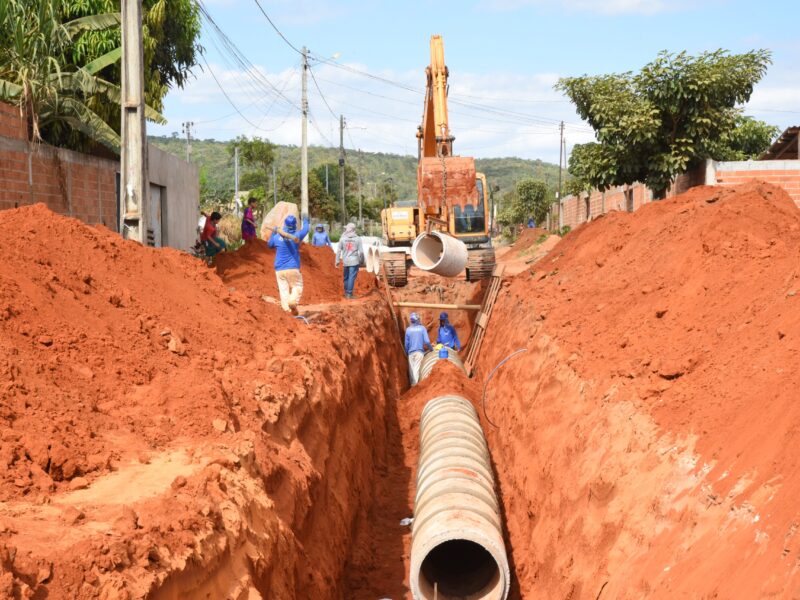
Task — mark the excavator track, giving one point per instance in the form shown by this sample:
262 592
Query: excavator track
480 264
396 268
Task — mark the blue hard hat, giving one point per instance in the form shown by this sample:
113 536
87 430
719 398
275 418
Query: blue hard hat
414 317
290 221
443 316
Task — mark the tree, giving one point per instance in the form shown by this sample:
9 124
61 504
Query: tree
35 76
748 140
171 33
320 204
530 198
257 154
652 125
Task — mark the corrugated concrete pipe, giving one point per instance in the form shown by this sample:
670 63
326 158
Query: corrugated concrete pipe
439 253
457 549
431 358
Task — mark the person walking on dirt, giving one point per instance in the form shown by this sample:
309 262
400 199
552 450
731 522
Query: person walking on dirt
321 237
249 222
448 336
287 262
417 341
212 243
350 254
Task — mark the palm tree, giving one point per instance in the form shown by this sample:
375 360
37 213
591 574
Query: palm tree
34 77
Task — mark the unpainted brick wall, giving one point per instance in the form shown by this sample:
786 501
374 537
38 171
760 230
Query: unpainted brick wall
787 179
68 182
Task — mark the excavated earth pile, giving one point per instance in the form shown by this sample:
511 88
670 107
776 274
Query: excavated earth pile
645 442
164 435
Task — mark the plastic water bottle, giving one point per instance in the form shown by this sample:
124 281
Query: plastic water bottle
443 352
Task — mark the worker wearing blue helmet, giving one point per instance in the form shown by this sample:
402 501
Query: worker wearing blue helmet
448 336
417 341
287 261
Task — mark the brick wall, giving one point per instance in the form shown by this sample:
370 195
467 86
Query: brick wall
783 173
84 187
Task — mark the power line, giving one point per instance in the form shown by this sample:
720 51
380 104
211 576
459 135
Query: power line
321 95
278 31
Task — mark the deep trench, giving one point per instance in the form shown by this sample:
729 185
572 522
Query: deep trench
378 564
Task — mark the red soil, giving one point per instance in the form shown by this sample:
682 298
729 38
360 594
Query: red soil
163 436
251 270
650 450
528 238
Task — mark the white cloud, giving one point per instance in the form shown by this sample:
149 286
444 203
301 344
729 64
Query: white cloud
490 114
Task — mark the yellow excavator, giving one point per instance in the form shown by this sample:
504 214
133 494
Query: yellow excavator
453 198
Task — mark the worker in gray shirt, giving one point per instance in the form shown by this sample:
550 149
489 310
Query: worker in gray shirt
350 254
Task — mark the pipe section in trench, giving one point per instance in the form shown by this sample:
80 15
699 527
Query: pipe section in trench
431 358
439 253
457 548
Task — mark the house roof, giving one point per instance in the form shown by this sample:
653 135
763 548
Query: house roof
785 147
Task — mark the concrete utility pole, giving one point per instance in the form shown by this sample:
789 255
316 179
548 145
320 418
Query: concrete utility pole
304 140
274 186
134 181
236 174
327 190
187 129
341 170
561 159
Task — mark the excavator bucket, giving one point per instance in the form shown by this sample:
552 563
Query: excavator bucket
448 181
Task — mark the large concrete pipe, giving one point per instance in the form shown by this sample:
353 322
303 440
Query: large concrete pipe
369 259
439 253
457 548
431 358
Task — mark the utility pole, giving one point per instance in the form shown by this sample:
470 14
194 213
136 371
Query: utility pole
360 194
134 181
304 140
560 163
274 186
327 190
236 175
341 170
187 129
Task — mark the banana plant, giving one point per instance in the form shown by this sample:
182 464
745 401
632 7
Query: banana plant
34 78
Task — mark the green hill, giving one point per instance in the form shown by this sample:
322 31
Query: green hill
374 168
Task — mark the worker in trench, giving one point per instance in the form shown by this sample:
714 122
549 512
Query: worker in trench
417 342
448 336
350 255
287 262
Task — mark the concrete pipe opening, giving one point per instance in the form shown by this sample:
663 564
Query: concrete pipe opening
458 569
439 253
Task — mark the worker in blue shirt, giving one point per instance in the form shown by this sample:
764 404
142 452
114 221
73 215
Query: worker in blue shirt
447 333
321 237
417 341
287 261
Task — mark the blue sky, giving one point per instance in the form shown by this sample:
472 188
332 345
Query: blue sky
503 56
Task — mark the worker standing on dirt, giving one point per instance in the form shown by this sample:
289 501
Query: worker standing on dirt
417 341
287 262
350 254
212 243
249 222
321 237
448 336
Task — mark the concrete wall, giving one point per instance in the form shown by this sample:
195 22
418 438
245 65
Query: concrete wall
783 173
85 187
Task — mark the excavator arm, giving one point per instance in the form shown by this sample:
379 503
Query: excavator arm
433 135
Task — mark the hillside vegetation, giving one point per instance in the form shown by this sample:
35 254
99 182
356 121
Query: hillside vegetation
374 168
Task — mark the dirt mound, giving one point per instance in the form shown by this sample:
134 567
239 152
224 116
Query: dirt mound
162 434
93 327
251 270
663 468
529 237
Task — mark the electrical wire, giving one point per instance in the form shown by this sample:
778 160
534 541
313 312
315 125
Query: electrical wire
321 95
275 27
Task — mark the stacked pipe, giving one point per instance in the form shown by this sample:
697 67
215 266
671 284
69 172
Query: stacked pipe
457 548
431 358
